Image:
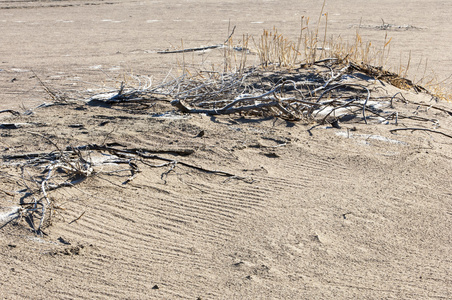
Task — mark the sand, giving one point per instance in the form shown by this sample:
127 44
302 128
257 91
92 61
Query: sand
356 212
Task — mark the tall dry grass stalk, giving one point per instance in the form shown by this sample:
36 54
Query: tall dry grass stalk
236 54
275 50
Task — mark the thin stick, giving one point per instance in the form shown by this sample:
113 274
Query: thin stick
423 129
75 220
199 48
191 49
54 96
229 37
449 112
47 139
13 112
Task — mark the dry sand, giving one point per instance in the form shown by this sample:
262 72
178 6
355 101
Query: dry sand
328 215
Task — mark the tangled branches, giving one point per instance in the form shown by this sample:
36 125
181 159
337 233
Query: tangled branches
324 90
289 95
319 92
42 173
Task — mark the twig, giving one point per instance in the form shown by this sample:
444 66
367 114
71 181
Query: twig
449 112
229 37
339 74
172 161
54 96
79 217
134 170
392 98
183 152
191 49
319 61
199 48
423 129
47 139
7 193
13 112
142 153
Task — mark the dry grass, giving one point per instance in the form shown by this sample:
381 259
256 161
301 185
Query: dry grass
277 51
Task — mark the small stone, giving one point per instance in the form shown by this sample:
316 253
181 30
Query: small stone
238 264
335 124
201 133
63 241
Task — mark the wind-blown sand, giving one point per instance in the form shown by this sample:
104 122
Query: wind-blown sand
330 213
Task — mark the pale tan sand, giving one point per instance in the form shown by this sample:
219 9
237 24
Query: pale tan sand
329 216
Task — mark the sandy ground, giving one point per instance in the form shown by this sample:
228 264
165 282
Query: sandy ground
322 214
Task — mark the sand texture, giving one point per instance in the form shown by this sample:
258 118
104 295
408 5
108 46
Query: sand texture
242 206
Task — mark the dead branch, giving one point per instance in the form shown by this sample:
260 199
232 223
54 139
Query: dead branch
20 125
76 219
142 153
422 129
183 152
13 112
449 112
57 97
191 49
232 110
230 36
199 48
333 78
47 139
330 59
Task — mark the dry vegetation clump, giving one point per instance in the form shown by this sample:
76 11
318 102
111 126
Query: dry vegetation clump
292 80
309 79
